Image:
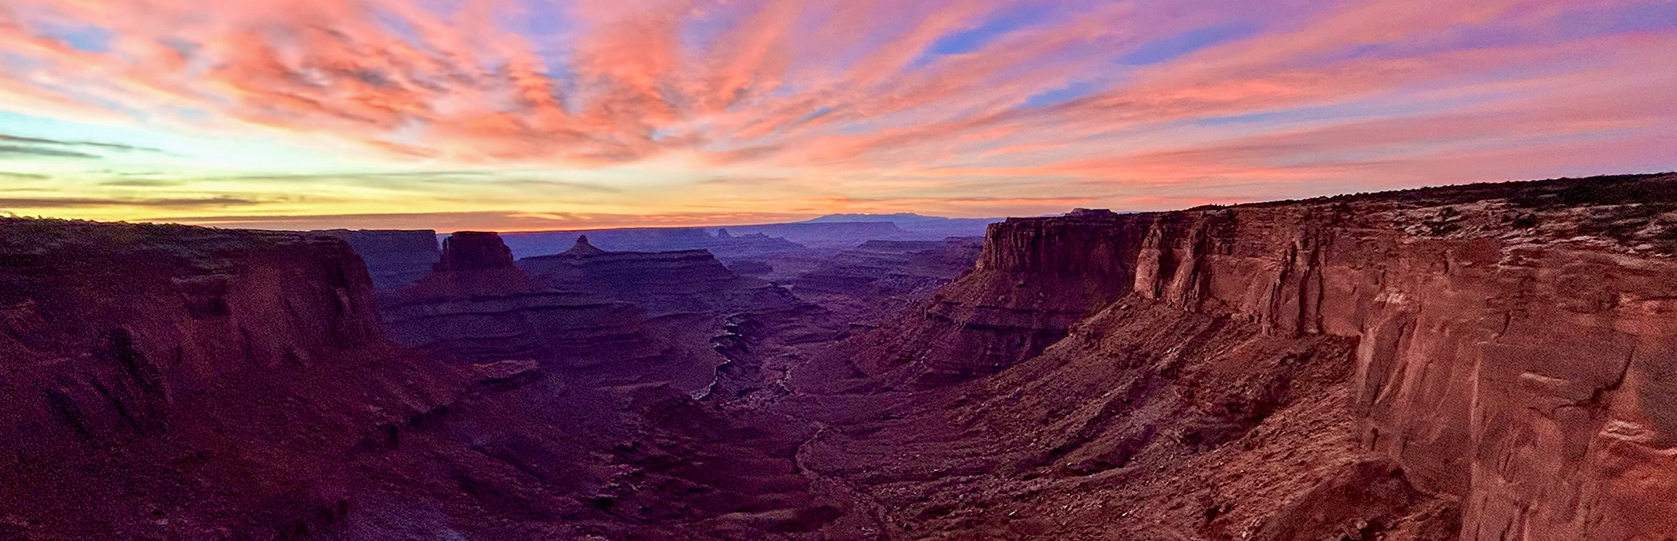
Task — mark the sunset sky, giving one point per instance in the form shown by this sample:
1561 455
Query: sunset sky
550 114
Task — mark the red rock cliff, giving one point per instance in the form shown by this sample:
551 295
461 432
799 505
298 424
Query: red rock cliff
1033 280
1517 344
153 369
1530 379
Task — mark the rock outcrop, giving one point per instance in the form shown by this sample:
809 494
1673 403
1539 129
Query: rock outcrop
737 247
744 241
1032 281
582 248
477 306
1514 343
473 264
662 283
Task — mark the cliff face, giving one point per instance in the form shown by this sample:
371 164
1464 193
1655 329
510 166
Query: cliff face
1515 344
1031 283
142 363
1530 380
1524 373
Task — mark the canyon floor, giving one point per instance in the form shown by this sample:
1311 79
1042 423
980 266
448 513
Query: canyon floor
1482 362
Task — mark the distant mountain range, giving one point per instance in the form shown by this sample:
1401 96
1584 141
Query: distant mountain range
831 232
936 226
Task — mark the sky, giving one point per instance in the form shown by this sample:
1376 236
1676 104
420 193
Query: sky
564 114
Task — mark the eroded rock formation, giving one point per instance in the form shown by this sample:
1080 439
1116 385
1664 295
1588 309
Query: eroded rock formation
693 303
662 283
165 382
639 316
1510 350
477 306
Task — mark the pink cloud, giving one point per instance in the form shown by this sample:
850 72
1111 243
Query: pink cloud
852 90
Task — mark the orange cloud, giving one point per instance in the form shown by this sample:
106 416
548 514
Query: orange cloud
858 93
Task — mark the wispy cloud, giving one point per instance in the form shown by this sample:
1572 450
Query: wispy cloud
24 151
45 203
90 145
990 105
19 147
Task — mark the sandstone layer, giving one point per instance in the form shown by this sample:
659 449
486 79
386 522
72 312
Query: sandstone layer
1507 348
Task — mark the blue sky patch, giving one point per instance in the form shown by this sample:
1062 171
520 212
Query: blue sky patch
973 39
1061 95
1164 50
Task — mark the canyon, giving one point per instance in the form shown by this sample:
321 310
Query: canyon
1479 362
879 278
169 382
